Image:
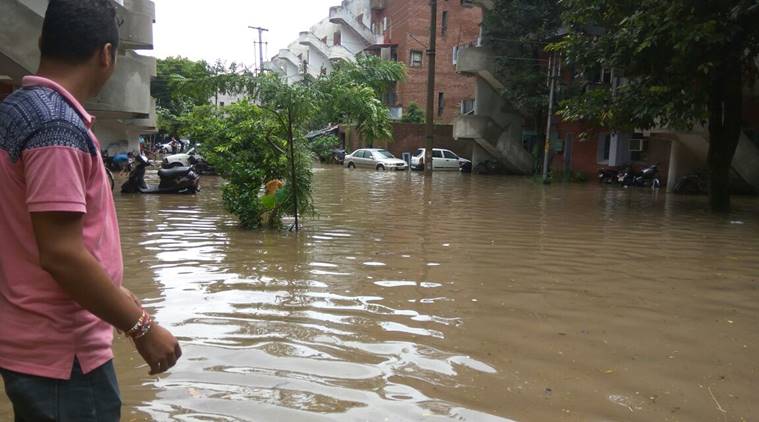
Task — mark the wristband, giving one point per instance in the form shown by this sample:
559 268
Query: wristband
141 327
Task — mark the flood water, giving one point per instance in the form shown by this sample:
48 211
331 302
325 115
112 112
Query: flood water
461 299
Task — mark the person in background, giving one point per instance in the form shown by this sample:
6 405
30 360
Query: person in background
61 264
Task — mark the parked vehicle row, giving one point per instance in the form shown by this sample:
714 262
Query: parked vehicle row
381 159
648 177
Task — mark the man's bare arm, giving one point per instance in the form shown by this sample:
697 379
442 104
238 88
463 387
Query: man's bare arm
64 255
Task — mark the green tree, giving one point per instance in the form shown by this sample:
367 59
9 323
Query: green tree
182 84
414 114
518 31
685 63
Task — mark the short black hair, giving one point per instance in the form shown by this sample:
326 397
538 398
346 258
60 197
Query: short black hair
75 29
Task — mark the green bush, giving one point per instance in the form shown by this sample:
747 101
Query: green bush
323 146
414 114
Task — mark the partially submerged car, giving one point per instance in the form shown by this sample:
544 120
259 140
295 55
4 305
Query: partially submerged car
375 158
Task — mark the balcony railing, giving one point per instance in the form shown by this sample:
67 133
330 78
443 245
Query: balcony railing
309 39
338 52
341 16
137 30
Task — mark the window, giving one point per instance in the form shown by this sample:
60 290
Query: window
455 55
450 155
444 24
384 154
606 153
418 152
221 103
467 107
436 153
337 38
360 19
440 103
415 59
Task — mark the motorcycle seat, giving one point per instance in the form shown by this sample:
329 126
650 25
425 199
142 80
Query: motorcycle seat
174 172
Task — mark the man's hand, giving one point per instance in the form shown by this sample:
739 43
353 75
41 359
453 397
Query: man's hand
159 348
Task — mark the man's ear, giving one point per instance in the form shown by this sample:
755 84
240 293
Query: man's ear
107 55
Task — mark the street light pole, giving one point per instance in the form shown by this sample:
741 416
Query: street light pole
431 55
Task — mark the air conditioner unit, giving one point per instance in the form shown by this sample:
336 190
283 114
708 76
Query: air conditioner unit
638 145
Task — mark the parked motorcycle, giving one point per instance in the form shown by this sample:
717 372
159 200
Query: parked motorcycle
692 184
647 178
608 175
177 180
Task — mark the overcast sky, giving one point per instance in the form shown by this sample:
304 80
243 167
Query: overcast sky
218 29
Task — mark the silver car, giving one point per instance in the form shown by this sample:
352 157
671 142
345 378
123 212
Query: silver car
375 158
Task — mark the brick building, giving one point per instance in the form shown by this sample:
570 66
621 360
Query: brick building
395 30
404 25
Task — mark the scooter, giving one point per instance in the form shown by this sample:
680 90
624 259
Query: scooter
177 180
647 178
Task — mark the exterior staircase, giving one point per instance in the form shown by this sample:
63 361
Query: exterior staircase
494 127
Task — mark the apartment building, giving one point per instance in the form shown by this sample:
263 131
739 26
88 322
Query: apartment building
124 109
395 30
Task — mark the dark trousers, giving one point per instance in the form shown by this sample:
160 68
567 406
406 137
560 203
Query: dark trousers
84 398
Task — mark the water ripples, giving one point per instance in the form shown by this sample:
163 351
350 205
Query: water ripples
468 299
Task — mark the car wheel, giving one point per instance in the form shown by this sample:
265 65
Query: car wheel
351 166
380 167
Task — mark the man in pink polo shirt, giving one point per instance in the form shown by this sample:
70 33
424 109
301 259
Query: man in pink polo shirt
60 255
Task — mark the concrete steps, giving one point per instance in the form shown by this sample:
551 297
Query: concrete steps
502 144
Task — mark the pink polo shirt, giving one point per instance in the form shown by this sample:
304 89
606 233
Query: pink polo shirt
50 161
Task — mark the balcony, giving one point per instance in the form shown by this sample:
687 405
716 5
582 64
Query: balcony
147 125
126 95
339 53
480 62
485 4
341 16
288 56
309 39
137 30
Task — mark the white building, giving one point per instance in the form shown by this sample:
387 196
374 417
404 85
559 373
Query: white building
345 33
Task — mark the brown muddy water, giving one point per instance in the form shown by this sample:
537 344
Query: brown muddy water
462 299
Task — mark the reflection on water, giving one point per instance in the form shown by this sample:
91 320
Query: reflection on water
461 298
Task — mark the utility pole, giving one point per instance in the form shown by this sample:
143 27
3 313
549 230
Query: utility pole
260 46
553 66
431 55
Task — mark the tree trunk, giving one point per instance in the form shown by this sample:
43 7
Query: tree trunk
725 116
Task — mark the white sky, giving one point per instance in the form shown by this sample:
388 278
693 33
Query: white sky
218 29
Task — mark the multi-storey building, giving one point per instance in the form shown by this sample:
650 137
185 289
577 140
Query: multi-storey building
124 109
396 30
496 130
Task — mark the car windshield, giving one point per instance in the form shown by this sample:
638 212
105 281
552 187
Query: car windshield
418 152
384 154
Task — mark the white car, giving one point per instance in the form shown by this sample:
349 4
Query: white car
179 160
442 159
375 158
